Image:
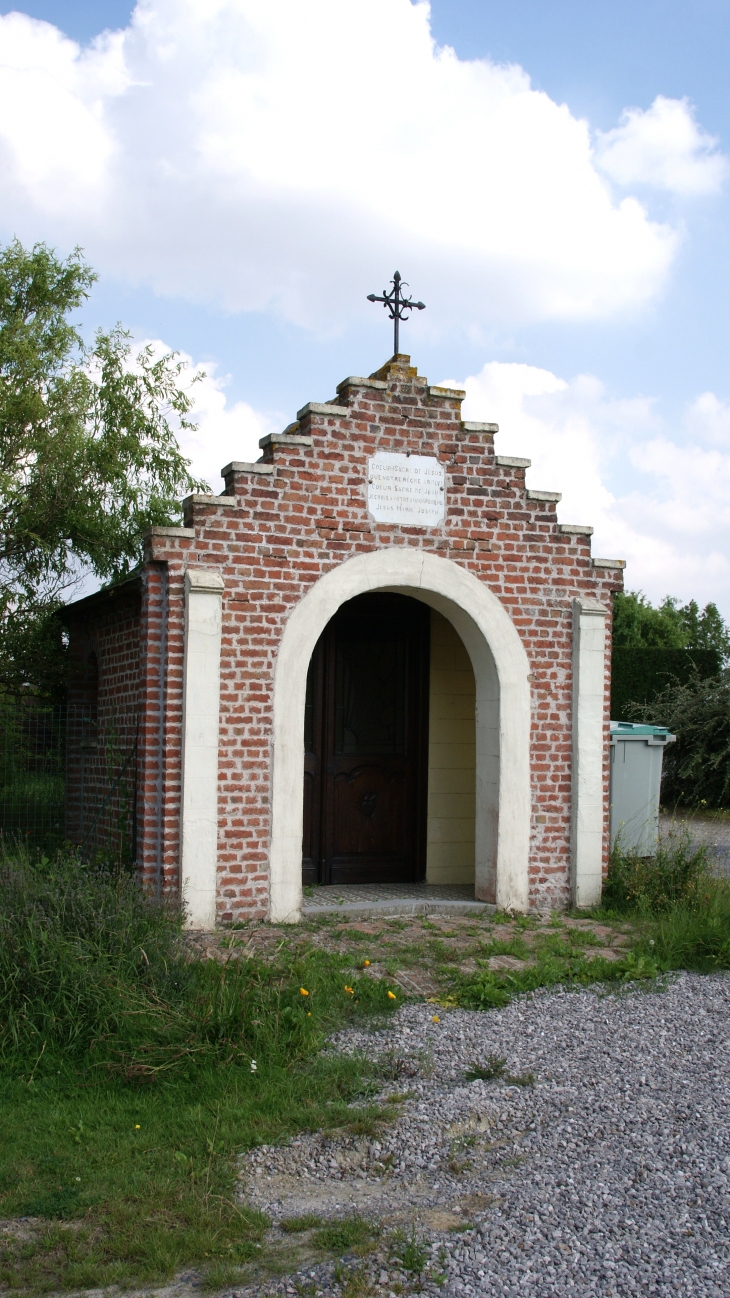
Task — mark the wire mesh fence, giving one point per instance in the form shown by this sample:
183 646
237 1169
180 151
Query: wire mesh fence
68 776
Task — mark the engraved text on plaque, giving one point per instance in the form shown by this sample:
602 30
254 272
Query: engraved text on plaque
406 489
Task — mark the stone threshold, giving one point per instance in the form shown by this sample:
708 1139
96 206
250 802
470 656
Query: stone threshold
373 901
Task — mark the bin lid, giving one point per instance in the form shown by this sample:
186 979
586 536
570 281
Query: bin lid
633 730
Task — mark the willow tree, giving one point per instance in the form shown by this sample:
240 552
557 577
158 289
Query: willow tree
89 457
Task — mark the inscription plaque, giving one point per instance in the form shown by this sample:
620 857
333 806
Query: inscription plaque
406 489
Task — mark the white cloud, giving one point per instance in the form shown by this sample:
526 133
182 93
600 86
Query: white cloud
279 157
658 498
708 420
58 151
222 433
663 147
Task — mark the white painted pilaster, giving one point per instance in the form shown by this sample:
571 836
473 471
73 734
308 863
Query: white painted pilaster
589 650
201 706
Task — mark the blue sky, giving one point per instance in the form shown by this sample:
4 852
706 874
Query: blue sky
562 211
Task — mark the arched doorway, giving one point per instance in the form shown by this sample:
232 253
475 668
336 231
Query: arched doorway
502 731
366 744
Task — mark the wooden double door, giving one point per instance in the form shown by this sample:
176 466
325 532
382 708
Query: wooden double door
366 745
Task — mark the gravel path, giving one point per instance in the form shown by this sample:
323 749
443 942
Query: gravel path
610 1175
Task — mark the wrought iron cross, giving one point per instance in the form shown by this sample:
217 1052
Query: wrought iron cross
396 305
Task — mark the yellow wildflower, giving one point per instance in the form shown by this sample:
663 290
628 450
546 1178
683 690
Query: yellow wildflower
349 991
366 964
303 991
436 1019
391 996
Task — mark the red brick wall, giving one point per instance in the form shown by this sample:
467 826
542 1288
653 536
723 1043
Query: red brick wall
274 534
103 714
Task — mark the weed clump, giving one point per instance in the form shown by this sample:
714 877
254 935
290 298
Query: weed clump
677 874
495 1069
410 1253
487 988
682 911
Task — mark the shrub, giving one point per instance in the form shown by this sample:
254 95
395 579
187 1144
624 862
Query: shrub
696 768
639 674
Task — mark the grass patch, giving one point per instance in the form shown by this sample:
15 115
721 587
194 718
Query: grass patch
490 988
679 916
495 1066
514 946
352 1235
133 1077
297 1225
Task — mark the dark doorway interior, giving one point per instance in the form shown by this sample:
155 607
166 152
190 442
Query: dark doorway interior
366 745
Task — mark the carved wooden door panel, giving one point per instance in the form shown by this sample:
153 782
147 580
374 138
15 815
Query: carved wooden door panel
365 768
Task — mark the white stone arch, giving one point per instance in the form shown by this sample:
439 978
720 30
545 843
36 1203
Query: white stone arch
501 670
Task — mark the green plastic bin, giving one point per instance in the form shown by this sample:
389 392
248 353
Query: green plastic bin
636 775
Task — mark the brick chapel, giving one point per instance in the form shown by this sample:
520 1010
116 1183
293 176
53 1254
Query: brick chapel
377 657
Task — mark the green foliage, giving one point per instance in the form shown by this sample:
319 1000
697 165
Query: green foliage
677 874
682 911
654 648
495 1068
639 675
88 453
696 770
79 949
638 625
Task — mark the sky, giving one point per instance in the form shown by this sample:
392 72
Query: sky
552 178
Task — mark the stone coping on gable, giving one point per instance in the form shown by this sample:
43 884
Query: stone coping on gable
512 462
188 532
283 439
321 408
470 427
545 495
245 466
449 394
355 382
228 502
